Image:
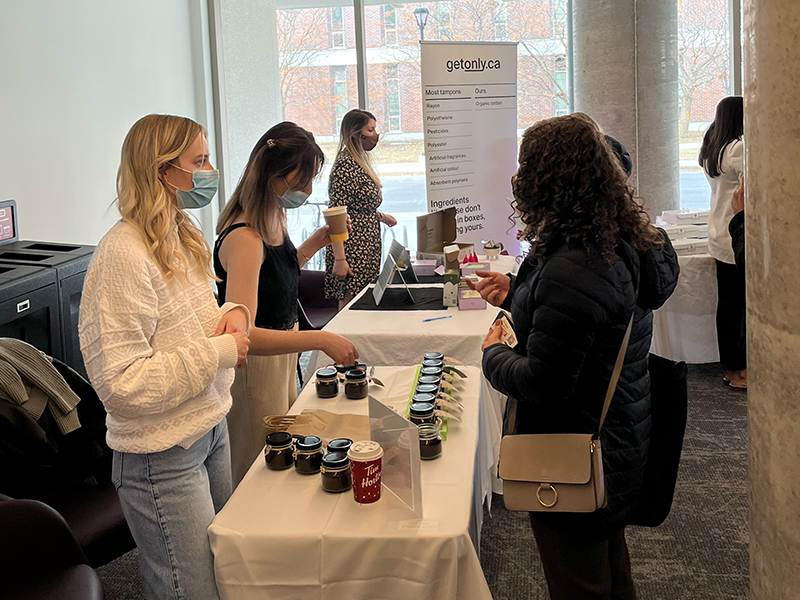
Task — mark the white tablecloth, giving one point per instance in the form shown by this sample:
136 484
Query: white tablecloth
401 337
281 537
685 327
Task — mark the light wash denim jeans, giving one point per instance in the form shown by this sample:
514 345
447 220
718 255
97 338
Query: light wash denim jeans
169 499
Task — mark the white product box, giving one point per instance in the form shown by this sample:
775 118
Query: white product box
689 247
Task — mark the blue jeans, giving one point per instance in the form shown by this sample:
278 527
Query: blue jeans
169 499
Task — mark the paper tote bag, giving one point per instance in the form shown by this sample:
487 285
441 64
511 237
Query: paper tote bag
557 472
552 472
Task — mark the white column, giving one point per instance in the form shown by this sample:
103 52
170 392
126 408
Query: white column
772 208
626 78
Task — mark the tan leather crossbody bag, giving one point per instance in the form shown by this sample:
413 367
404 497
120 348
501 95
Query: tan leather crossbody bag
557 472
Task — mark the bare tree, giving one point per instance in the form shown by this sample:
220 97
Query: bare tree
300 33
703 52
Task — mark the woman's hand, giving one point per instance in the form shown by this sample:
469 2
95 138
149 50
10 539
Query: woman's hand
232 321
242 346
341 270
388 220
493 337
339 348
493 288
319 239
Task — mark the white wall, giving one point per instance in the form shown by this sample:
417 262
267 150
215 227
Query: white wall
74 76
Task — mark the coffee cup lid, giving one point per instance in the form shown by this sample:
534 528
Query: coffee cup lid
335 210
365 450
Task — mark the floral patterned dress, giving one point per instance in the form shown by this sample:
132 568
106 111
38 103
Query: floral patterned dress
351 186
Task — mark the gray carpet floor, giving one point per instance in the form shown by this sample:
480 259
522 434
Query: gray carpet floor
699 553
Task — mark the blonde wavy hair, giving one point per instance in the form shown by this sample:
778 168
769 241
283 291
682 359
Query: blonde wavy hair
350 139
145 202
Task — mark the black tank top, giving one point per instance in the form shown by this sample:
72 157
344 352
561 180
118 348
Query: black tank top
278 280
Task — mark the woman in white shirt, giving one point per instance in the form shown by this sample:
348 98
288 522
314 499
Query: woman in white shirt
160 352
722 159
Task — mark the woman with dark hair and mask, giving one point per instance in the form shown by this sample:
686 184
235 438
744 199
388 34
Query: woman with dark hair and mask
259 266
722 159
595 261
351 265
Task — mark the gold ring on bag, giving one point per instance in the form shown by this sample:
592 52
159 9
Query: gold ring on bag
539 495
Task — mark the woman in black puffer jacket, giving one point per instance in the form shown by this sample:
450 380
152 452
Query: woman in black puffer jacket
591 245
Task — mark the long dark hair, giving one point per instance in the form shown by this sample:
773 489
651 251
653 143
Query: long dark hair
728 125
282 149
571 189
352 123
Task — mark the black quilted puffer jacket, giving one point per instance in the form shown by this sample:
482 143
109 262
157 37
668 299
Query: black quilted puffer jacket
570 315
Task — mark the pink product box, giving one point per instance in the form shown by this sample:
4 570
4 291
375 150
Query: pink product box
424 267
472 268
470 300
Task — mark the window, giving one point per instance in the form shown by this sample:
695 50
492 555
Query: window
337 27
340 93
444 30
393 96
501 22
704 79
390 24
560 88
559 18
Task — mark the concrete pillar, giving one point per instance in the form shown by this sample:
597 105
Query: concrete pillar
626 78
772 208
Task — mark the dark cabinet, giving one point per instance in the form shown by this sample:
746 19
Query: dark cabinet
66 265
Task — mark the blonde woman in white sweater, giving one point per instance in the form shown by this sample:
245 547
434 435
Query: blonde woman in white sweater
160 353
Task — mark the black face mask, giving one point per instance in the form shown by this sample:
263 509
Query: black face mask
368 142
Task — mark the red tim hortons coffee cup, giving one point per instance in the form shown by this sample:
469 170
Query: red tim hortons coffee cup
366 458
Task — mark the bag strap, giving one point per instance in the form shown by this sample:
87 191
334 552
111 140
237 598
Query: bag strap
612 385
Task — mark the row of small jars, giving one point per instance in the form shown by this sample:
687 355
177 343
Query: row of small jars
356 386
308 458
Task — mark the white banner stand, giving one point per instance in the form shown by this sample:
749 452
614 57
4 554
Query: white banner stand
469 111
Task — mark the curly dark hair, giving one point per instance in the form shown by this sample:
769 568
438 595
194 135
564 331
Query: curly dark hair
570 189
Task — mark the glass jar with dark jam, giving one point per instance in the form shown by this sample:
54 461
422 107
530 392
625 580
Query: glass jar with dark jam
430 442
356 386
433 363
327 383
308 455
336 475
427 388
340 445
278 452
433 356
424 398
431 371
420 413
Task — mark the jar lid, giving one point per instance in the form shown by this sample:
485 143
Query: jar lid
309 444
430 380
431 370
433 363
421 409
340 445
427 388
355 374
335 460
279 439
326 373
427 431
433 356
365 450
345 368
424 397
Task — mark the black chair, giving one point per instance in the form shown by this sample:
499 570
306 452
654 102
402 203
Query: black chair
40 558
313 309
70 473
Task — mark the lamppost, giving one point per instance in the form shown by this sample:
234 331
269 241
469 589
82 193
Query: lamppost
421 15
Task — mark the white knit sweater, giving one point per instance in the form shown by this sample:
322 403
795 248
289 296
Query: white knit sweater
148 348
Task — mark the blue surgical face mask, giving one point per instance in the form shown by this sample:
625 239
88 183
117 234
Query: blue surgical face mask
292 198
205 187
